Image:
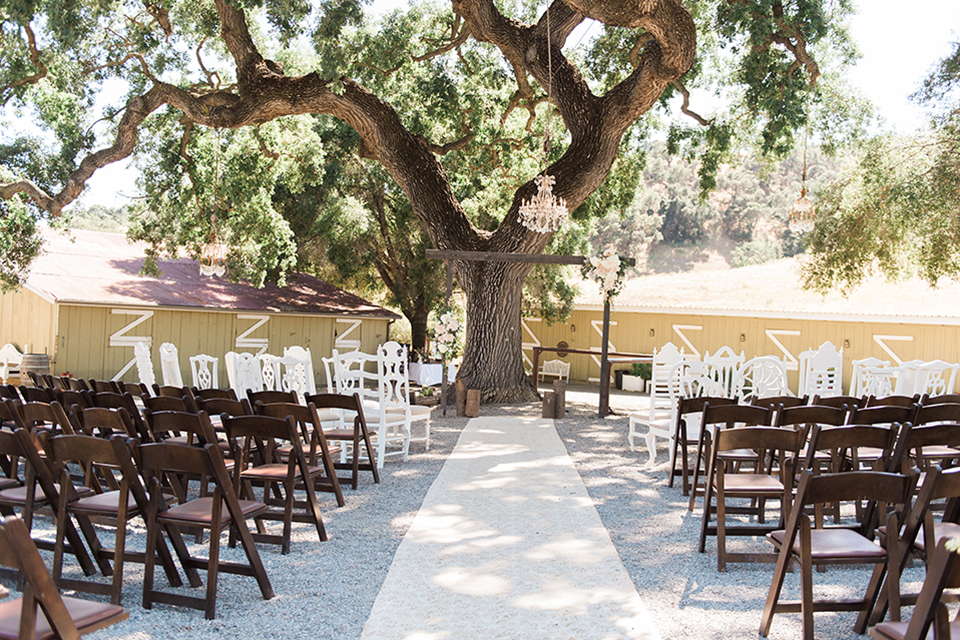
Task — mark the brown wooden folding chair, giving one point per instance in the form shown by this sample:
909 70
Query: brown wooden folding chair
348 406
215 512
257 438
126 401
805 545
118 506
723 416
315 446
59 616
686 432
773 447
930 616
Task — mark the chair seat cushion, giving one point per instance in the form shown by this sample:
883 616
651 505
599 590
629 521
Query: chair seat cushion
8 483
83 612
753 482
200 511
338 434
938 451
830 544
898 630
285 450
19 494
109 502
274 472
940 530
737 455
419 411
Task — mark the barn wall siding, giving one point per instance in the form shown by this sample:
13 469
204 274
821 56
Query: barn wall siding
86 351
641 332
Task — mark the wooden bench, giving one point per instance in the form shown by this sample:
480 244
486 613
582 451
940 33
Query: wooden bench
556 368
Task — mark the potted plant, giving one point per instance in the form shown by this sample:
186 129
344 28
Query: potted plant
636 380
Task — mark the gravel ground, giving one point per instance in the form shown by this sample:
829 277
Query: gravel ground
326 590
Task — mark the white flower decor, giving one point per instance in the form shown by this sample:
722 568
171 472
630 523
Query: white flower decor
607 270
447 334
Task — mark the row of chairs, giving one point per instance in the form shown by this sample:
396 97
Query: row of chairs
270 454
754 454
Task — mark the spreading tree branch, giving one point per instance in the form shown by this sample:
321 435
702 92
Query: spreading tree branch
34 57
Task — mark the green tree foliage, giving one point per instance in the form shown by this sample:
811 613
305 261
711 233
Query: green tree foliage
220 99
748 207
98 218
896 210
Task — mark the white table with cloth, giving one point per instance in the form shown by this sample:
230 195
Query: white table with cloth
428 375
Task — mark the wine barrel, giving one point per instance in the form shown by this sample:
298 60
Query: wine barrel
39 363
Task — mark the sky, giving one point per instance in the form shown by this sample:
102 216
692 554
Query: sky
898 48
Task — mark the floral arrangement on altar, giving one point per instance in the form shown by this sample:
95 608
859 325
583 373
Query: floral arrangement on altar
447 339
607 270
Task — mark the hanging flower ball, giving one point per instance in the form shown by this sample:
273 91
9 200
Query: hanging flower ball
607 270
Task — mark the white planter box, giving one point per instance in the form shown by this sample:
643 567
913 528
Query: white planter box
634 383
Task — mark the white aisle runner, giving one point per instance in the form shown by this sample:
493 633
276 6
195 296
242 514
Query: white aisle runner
508 544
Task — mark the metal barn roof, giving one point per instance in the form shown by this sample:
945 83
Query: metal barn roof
774 289
90 267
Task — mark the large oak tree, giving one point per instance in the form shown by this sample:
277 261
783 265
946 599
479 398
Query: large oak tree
56 55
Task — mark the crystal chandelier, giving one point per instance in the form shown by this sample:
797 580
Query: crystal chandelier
213 256
802 213
545 213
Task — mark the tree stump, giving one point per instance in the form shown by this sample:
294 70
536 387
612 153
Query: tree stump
549 405
560 393
461 392
472 408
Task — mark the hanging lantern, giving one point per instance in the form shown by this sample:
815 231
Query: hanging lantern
544 213
802 214
213 256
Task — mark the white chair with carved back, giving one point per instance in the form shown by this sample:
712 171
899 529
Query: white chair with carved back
141 353
305 355
657 419
862 374
268 372
392 364
761 377
723 366
385 419
821 371
937 378
910 378
246 373
291 374
170 365
203 370
879 381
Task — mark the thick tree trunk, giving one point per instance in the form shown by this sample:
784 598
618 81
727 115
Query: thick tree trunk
418 328
492 359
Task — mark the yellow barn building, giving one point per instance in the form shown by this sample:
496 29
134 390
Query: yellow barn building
86 305
760 310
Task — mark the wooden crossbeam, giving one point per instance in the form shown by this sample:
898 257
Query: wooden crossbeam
529 258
